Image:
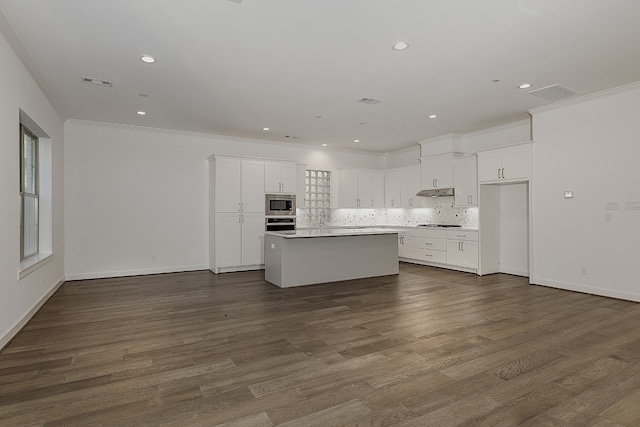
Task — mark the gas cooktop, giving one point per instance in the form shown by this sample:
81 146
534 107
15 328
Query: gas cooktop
439 225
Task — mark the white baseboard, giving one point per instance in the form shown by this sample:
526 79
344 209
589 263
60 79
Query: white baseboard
140 272
8 335
514 272
237 269
586 289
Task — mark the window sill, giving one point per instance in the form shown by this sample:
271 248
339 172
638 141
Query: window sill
33 263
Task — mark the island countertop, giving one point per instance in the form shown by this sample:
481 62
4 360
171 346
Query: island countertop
331 232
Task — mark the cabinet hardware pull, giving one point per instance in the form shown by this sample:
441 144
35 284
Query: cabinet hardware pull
502 173
498 173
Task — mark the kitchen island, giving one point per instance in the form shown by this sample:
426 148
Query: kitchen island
307 257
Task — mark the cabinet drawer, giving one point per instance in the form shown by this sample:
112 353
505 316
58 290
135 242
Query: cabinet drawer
431 255
421 232
430 243
462 235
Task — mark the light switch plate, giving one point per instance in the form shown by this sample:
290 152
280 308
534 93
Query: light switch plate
568 194
612 206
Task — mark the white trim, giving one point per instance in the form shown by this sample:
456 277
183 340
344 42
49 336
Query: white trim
33 263
141 272
514 272
438 265
137 128
237 269
10 333
589 97
586 289
498 128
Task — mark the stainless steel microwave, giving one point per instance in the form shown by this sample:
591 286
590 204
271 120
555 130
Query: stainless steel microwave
280 205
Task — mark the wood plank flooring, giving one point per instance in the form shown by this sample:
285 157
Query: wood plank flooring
429 347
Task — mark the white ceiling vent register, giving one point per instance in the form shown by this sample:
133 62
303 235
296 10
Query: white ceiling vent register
98 82
554 92
369 101
236 1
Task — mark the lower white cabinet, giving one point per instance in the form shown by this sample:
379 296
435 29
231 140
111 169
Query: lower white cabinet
462 248
456 249
239 241
406 245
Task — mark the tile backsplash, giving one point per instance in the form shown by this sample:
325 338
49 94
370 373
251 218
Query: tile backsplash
440 210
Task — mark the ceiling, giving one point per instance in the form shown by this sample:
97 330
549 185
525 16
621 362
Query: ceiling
299 67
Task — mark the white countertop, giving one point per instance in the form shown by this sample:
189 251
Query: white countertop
331 232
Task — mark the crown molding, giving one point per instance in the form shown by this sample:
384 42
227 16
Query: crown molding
589 97
519 123
146 129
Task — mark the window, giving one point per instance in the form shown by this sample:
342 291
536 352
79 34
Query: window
318 196
29 194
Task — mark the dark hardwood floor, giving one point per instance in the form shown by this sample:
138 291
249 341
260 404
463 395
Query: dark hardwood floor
429 347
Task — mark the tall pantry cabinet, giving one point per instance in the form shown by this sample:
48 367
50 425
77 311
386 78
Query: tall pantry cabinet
236 213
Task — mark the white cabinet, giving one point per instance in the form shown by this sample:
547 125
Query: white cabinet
280 177
431 246
504 164
401 187
437 171
465 181
392 181
406 245
236 213
409 187
462 248
301 179
360 188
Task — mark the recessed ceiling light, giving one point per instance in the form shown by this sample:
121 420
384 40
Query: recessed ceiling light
524 86
356 140
148 59
433 116
142 113
324 145
266 128
400 45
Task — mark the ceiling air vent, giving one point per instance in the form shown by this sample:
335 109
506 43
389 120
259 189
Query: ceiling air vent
98 82
369 101
236 1
554 92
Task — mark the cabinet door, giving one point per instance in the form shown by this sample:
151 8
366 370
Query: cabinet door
454 252
410 185
377 189
462 253
228 243
436 172
515 162
272 177
252 238
465 181
252 186
347 188
490 166
364 189
288 177
392 189
227 184
301 193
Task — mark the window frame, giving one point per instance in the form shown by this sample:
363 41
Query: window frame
25 131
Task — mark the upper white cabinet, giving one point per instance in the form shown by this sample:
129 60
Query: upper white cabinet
359 188
505 164
437 171
465 181
238 184
280 177
392 179
409 187
301 188
401 186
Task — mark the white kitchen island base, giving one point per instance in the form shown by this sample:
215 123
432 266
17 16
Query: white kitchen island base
309 258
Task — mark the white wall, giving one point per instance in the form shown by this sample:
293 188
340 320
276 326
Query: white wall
514 229
593 148
19 299
133 192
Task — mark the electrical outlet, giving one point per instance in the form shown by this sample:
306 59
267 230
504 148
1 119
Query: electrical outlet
583 269
154 257
607 216
632 205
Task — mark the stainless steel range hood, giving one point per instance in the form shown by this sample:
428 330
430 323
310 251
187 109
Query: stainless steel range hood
436 192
